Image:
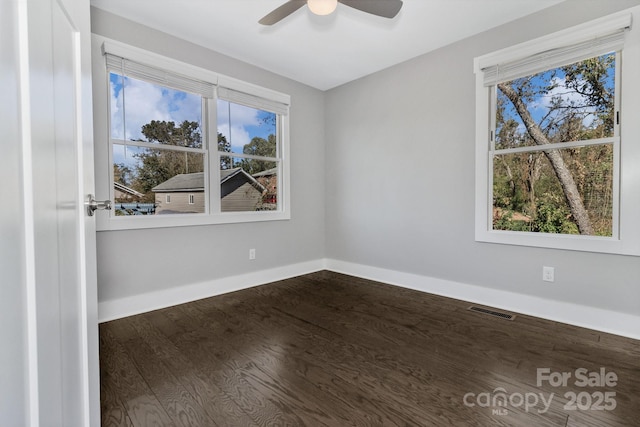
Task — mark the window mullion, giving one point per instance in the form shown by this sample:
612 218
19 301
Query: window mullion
157 146
214 156
555 146
249 156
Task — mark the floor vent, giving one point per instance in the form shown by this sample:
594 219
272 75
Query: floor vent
493 313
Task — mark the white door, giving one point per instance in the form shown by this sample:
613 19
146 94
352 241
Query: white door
76 229
55 268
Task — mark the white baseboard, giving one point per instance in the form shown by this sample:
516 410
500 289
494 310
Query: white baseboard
598 319
587 317
123 307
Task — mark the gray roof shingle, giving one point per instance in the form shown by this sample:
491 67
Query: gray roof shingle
182 182
195 181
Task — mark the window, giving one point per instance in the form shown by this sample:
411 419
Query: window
249 159
213 147
554 135
548 141
156 131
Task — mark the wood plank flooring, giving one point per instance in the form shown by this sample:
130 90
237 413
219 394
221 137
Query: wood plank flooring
327 349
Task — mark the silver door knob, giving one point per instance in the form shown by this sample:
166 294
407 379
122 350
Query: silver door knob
93 205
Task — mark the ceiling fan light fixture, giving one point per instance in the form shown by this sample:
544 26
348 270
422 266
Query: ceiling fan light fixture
322 7
383 8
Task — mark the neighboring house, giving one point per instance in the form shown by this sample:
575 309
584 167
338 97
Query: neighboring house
124 194
239 191
269 180
184 193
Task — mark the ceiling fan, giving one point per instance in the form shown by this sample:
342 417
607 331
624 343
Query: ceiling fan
384 8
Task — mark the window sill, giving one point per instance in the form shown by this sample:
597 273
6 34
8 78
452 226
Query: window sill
187 220
599 244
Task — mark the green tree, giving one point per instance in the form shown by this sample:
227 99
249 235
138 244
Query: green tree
259 147
158 165
224 146
186 134
122 174
589 79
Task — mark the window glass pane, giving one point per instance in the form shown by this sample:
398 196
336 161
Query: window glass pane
248 185
142 111
527 195
570 103
246 130
157 181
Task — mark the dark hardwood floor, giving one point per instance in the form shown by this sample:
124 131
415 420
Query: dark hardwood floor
330 349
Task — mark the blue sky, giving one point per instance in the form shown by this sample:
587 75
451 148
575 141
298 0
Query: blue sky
246 123
141 102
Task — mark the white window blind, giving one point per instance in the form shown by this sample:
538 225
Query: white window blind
127 67
254 101
558 57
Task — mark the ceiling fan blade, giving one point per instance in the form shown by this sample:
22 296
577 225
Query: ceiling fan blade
282 12
384 8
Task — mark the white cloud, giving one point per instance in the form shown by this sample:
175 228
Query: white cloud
238 137
140 102
241 118
126 155
560 89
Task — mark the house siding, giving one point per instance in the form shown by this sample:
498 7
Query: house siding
179 202
244 197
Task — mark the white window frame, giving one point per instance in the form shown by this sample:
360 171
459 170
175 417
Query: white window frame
253 95
626 232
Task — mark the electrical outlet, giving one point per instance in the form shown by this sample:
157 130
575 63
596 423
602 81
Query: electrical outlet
252 254
548 274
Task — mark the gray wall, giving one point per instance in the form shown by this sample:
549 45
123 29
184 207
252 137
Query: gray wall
383 170
400 177
138 261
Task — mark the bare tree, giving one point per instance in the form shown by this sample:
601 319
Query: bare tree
561 170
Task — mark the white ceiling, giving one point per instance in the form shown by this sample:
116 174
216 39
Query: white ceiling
322 51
